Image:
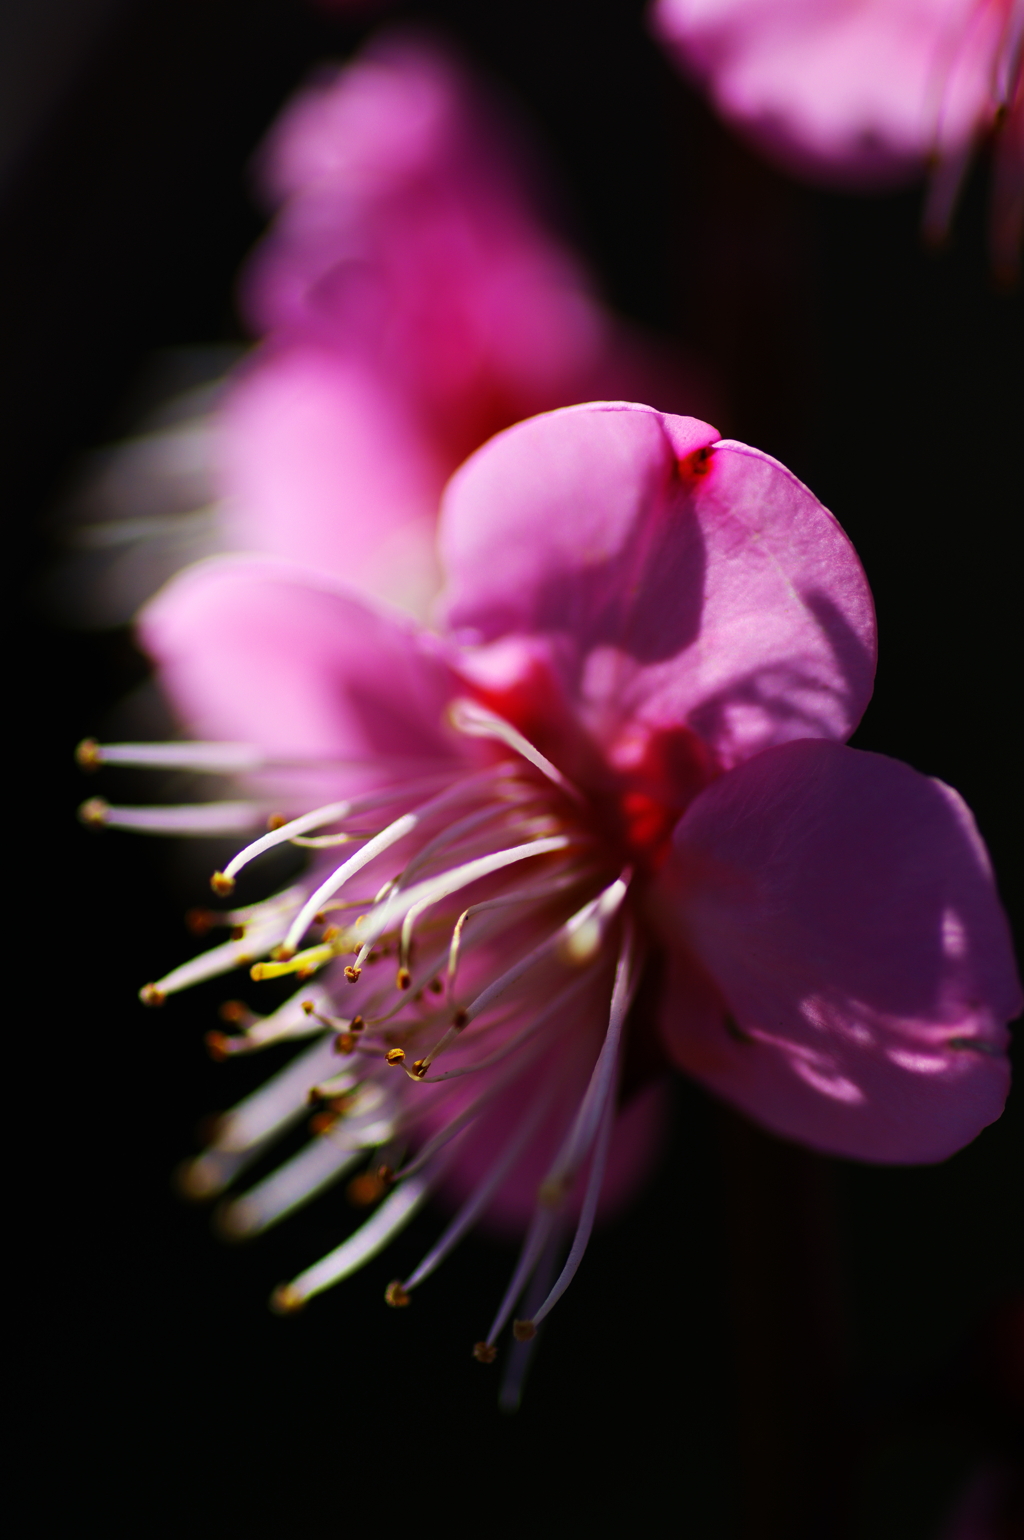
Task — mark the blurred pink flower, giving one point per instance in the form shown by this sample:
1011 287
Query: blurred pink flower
608 804
412 300
413 303
866 92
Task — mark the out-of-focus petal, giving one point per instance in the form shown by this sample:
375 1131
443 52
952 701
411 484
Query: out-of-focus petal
320 463
253 651
667 584
844 907
859 93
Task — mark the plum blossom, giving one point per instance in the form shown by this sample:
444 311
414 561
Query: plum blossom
866 93
412 300
606 803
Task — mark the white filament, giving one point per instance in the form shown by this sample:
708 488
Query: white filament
214 758
184 818
288 1188
394 1213
276 1104
468 717
474 1206
390 836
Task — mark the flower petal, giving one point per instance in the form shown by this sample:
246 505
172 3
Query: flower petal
263 653
318 462
844 907
837 92
668 584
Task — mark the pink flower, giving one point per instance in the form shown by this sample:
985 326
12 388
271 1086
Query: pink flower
414 303
866 92
609 802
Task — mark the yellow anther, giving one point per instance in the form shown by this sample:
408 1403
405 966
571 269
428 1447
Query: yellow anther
352 973
87 755
221 885
149 994
275 821
332 932
302 963
365 1189
404 978
234 1012
309 1006
395 1055
286 1300
396 1296
94 812
356 1024
419 1068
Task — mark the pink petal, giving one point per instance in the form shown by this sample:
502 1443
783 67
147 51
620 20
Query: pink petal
854 93
845 909
320 463
257 652
668 586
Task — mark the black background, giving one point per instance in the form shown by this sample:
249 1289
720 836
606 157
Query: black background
770 1344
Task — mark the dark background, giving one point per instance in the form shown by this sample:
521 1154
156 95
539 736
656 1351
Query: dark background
770 1344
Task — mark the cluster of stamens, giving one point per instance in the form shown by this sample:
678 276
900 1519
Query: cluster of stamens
455 956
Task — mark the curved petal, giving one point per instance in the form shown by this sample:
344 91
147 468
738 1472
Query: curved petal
845 909
263 653
674 580
319 463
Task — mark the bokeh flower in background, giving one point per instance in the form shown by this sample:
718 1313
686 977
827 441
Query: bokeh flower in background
413 299
868 93
599 811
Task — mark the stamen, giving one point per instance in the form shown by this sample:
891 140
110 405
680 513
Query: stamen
521 1352
265 929
289 1187
291 1020
327 889
214 758
468 1114
236 759
278 1102
394 1213
601 1092
244 1133
197 818
280 835
474 1206
434 889
585 1226
602 1079
604 906
536 1239
521 896
468 717
516 1042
